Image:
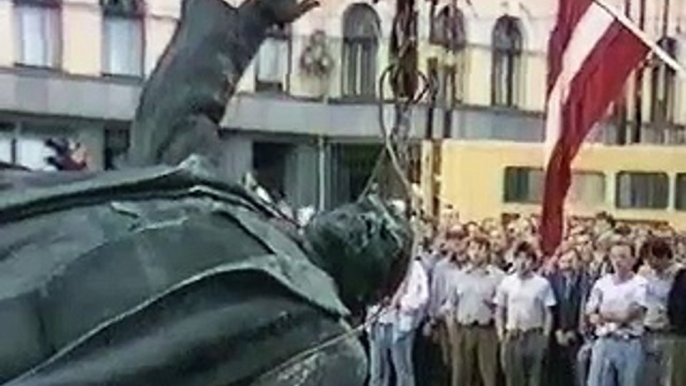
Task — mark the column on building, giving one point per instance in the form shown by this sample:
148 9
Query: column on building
92 138
238 156
302 176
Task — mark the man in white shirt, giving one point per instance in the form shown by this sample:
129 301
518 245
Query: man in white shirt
658 253
394 332
445 274
617 307
475 359
524 319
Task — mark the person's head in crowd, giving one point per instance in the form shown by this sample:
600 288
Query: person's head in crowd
512 231
585 254
602 245
623 230
525 259
664 231
568 261
532 225
623 257
478 249
604 222
426 243
472 229
658 254
584 239
450 216
455 243
523 227
643 231
489 224
680 247
498 241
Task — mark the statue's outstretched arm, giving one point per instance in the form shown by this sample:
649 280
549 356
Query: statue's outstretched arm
185 98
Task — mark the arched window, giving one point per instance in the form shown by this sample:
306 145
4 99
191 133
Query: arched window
447 29
38 33
663 82
273 62
507 52
123 37
361 30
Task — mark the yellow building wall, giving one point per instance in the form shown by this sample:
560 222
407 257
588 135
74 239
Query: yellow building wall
478 91
472 176
82 43
158 33
534 88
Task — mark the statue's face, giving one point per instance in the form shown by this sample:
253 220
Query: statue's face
364 248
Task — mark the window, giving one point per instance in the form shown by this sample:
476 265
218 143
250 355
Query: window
507 52
588 188
361 28
32 152
432 65
524 185
25 144
681 191
116 148
663 82
123 37
37 33
642 190
450 96
447 29
273 61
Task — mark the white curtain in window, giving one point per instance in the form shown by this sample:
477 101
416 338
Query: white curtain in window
38 34
31 152
587 189
272 61
122 46
503 79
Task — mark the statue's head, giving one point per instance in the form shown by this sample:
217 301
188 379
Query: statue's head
365 247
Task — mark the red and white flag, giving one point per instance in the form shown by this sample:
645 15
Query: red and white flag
590 56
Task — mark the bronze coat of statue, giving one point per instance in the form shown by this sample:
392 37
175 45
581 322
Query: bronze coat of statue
166 274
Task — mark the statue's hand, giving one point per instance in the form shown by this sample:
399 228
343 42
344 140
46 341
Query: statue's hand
288 11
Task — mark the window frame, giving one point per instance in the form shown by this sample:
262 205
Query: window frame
507 56
135 14
510 198
281 35
363 47
534 201
55 63
450 20
584 172
618 190
663 75
677 206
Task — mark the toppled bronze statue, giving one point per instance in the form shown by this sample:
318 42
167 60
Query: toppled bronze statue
168 275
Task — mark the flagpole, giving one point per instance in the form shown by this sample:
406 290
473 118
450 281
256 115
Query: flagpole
656 49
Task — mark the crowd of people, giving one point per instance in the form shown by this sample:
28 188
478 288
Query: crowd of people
481 306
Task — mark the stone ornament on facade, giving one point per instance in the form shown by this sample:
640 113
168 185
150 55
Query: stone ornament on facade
316 59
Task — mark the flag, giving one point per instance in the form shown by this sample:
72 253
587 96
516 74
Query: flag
590 56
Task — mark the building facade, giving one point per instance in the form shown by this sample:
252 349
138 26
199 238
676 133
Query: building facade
305 120
632 165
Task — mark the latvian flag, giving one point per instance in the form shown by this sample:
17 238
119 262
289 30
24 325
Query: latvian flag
590 56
